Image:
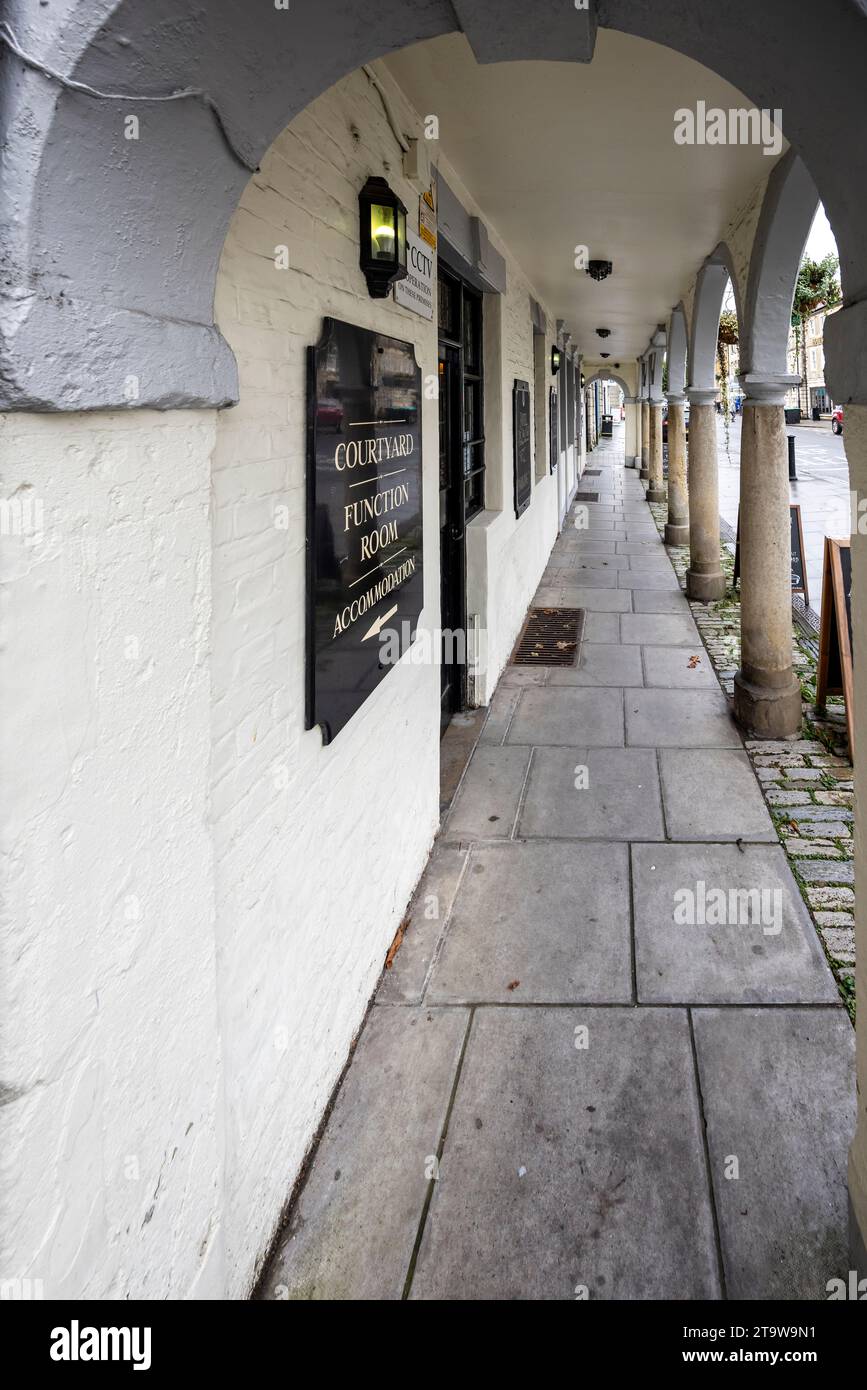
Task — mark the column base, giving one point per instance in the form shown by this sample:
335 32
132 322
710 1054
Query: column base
768 711
676 533
857 1230
644 474
705 588
656 494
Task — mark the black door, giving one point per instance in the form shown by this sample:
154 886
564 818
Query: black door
462 468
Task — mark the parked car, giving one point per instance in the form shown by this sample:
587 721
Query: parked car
837 420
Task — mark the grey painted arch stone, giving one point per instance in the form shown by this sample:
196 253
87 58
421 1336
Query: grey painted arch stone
109 264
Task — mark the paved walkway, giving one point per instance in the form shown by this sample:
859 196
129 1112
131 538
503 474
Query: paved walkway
565 1089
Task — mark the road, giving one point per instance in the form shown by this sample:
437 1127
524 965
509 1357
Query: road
822 489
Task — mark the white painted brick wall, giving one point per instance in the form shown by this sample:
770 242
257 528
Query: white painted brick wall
200 894
111 1127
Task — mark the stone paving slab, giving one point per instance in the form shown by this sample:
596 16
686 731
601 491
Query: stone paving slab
596 600
352 1233
711 794
593 547
504 704
601 664
609 563
660 601
520 675
827 872
593 714
779 1095
659 629
618 797
679 719
565 1167
425 918
602 627
776 960
678 668
538 921
592 578
650 581
487 800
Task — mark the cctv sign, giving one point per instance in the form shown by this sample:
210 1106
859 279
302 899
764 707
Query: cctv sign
415 292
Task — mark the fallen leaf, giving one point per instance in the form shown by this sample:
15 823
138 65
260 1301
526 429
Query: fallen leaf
396 943
513 985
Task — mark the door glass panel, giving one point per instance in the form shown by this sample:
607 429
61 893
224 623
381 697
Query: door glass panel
444 427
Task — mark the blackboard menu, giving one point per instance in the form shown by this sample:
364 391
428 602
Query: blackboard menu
522 445
554 427
364 516
799 568
834 673
846 584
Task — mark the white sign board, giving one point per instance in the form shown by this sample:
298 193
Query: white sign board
416 290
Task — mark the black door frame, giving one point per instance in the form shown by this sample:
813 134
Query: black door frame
457 451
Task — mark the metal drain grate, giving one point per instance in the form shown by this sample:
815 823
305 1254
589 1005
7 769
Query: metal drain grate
551 637
586 496
592 473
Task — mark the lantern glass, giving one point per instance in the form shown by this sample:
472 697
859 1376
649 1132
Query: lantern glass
401 236
382 232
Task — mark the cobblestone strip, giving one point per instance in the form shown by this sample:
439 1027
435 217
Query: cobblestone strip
807 781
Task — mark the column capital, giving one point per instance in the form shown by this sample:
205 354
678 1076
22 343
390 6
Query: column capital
656 400
766 390
700 395
676 398
632 400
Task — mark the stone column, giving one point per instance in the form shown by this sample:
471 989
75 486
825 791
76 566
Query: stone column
645 438
677 526
705 580
767 694
656 490
855 441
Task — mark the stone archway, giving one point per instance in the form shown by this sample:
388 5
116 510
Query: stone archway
715 274
602 375
787 214
115 300
678 348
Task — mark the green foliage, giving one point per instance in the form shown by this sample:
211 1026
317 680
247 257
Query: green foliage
728 327
817 287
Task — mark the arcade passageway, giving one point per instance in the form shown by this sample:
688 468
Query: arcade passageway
558 1091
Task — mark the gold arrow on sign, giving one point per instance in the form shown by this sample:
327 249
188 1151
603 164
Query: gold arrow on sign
377 627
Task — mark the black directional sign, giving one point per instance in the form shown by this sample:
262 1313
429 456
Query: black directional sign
364 516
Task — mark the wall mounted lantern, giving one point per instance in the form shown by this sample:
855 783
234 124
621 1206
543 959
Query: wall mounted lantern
603 332
382 253
599 270
605 354
556 359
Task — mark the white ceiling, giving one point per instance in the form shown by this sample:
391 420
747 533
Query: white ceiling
566 154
